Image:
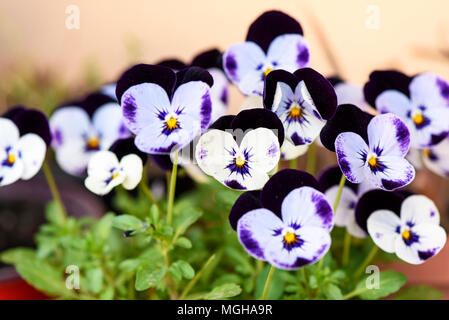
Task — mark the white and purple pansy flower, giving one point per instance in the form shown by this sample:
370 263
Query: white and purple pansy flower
109 90
211 60
24 135
302 100
349 93
287 223
80 129
381 158
240 151
414 236
345 214
105 170
164 109
436 158
422 102
274 41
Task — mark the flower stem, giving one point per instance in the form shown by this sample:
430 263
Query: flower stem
172 187
346 248
267 283
311 159
367 260
53 187
196 278
293 163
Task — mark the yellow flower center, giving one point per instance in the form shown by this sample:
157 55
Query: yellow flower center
372 161
295 113
290 238
93 143
114 175
267 71
239 162
406 235
11 158
418 119
426 152
171 123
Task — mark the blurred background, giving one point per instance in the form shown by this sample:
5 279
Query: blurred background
46 59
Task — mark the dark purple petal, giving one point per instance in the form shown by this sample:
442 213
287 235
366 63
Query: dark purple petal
248 201
163 161
321 90
331 177
94 101
347 118
380 81
334 80
270 25
209 59
30 121
193 74
270 86
173 64
280 185
377 200
124 147
259 118
145 73
222 123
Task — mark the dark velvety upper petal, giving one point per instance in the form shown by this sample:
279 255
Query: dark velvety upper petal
193 74
141 73
209 59
163 161
334 80
259 118
30 121
124 147
347 118
270 85
280 185
270 25
376 200
331 177
246 202
223 123
379 81
95 100
321 90
174 64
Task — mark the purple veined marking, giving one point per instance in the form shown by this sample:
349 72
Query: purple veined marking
240 162
170 122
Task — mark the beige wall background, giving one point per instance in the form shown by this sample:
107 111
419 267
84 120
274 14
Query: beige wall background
409 36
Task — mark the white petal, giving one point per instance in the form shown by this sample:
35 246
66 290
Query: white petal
9 133
290 52
72 156
109 90
101 164
108 121
132 167
395 102
397 173
346 206
10 174
382 227
352 94
437 158
418 209
289 151
427 88
33 149
218 93
350 148
69 123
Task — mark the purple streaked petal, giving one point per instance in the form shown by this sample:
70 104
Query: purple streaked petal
351 152
396 173
108 122
256 229
69 123
429 89
289 52
437 158
418 209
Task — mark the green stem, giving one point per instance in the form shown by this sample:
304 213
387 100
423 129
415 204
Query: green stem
306 283
172 187
311 159
53 187
196 278
267 283
346 248
293 163
367 260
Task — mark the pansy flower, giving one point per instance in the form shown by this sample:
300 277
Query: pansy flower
212 61
287 223
380 158
422 102
274 41
109 90
329 181
302 100
24 136
349 93
415 235
80 129
105 170
164 109
240 151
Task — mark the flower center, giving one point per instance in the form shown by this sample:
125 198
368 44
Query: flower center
240 162
427 152
290 238
418 118
11 158
171 123
93 143
114 175
267 71
295 112
372 161
406 235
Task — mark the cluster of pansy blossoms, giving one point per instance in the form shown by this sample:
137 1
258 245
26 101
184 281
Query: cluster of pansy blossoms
176 114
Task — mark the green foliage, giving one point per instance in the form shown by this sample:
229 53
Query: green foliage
419 292
389 282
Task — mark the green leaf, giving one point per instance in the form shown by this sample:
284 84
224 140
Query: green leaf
389 282
186 269
95 279
419 292
107 294
227 290
154 214
332 292
175 272
17 255
185 219
103 227
54 214
183 243
42 276
149 276
126 222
